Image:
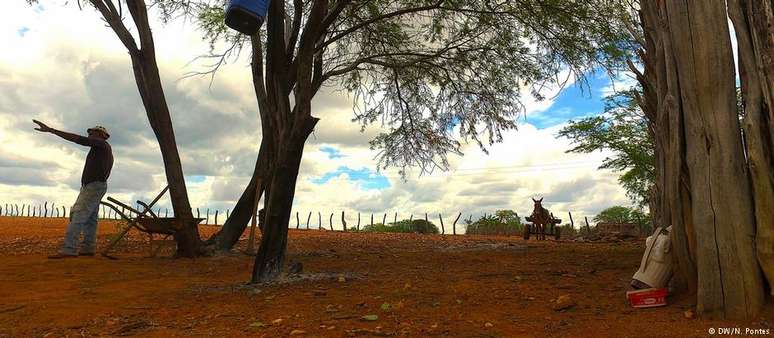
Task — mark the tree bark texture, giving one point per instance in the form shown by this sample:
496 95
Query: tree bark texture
660 103
285 128
754 27
689 56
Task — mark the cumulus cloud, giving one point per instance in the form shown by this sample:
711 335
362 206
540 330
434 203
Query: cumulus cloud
70 70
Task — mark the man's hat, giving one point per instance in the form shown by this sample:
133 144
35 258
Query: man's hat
99 128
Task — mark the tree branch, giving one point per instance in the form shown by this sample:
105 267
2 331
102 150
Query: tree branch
297 16
377 19
139 13
115 23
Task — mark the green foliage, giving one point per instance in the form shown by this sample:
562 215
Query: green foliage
504 222
616 214
405 226
622 214
435 73
623 129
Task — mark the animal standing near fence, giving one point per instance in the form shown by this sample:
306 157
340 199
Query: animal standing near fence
543 222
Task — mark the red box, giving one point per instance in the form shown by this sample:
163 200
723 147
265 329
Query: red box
647 297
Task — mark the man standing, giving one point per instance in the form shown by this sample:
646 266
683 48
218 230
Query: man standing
83 214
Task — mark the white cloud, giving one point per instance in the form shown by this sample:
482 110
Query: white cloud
71 71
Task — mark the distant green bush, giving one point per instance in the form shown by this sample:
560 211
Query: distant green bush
405 226
504 222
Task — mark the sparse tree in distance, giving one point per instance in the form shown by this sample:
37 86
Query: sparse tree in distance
623 129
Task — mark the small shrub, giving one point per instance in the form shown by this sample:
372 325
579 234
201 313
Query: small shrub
423 227
405 226
502 224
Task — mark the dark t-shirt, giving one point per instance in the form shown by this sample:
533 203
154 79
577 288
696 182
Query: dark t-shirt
99 161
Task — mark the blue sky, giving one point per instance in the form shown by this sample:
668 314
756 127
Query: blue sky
332 152
365 177
573 102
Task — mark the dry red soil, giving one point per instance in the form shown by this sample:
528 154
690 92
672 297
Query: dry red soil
415 285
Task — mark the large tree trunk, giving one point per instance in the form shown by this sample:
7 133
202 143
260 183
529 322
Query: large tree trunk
729 281
271 253
285 129
690 100
148 80
754 27
660 103
147 76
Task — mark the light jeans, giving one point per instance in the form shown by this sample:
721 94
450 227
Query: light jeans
83 220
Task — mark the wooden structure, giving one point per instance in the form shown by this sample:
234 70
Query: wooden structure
543 222
145 221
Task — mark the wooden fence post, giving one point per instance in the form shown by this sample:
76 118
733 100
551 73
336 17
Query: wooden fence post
197 213
343 221
572 223
358 221
64 211
587 224
442 228
426 220
396 218
372 220
28 210
22 210
331 220
208 216
298 220
17 209
411 218
227 214
384 219
319 221
45 207
57 212
216 217
454 226
307 220
166 212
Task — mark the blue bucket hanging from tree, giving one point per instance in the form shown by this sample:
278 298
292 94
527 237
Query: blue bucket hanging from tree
246 16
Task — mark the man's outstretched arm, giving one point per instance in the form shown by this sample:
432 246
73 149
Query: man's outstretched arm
75 138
